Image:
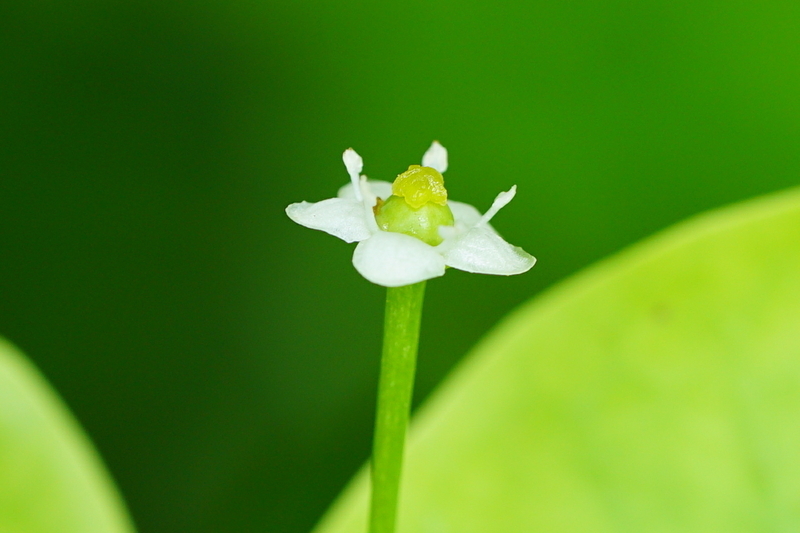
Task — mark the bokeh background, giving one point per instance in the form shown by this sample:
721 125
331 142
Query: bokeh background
223 359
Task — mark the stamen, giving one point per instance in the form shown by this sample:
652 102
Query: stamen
499 203
354 165
376 209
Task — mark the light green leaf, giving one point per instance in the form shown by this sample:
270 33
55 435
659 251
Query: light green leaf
51 479
658 391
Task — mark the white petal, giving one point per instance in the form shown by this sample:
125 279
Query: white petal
464 213
435 157
381 189
466 217
341 218
394 260
482 251
354 165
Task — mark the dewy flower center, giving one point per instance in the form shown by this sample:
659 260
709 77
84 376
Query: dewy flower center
417 206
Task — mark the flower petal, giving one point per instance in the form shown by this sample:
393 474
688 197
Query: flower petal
340 217
393 260
435 157
482 251
380 189
464 213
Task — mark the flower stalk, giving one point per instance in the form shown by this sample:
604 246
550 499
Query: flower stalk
395 388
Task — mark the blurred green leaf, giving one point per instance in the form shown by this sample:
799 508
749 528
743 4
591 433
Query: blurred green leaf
657 391
51 479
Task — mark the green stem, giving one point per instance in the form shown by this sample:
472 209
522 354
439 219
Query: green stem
398 363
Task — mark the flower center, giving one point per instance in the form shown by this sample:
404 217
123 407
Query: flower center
420 185
417 206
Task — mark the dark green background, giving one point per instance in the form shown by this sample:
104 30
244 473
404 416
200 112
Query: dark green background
224 359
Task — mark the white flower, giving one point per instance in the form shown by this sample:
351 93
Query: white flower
395 259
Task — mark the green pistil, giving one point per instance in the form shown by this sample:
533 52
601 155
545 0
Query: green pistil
417 207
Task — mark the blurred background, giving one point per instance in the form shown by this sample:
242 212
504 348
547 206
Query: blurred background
223 359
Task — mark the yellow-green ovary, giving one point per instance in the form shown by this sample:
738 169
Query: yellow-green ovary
423 223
